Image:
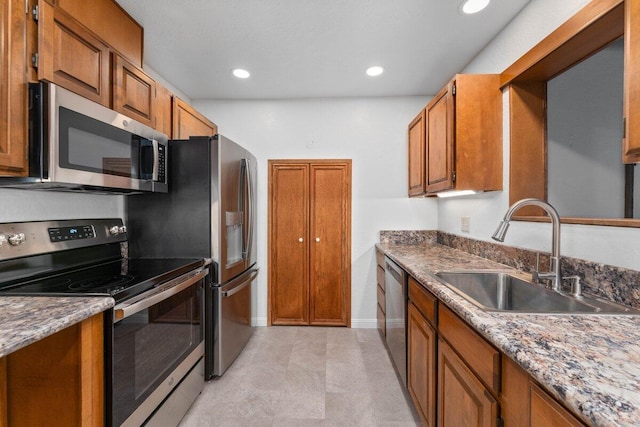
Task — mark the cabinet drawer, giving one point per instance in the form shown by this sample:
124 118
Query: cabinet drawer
481 356
380 275
423 300
381 299
381 321
380 258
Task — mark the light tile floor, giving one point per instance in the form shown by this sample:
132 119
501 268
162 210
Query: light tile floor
307 376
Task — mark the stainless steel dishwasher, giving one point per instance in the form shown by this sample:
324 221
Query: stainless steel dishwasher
396 316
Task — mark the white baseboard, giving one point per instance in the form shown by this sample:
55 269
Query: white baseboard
355 323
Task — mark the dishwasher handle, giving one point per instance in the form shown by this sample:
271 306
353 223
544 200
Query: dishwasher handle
393 270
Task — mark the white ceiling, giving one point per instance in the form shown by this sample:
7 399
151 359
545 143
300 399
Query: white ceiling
313 48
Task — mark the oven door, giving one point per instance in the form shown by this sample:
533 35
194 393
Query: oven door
157 339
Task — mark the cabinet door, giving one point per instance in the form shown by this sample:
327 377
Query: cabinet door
13 88
462 399
417 155
421 357
133 92
71 56
631 141
163 109
111 23
330 268
289 244
546 412
440 140
188 122
64 371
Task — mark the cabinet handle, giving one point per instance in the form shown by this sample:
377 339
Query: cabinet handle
317 240
300 239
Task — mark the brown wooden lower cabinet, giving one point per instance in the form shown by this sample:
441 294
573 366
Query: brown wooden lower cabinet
525 403
457 378
462 399
57 381
421 364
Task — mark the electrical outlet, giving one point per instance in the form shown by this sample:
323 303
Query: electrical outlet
465 224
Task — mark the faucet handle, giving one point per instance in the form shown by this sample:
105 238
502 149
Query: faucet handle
576 285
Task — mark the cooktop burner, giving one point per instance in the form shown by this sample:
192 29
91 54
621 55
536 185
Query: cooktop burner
107 284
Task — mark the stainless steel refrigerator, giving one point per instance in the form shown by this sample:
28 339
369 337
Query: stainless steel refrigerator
208 212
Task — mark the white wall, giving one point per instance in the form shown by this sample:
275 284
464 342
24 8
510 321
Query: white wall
610 245
370 131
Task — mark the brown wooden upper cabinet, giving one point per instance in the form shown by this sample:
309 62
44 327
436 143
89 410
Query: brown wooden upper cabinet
134 92
163 109
417 157
71 56
310 242
13 83
189 122
462 137
102 18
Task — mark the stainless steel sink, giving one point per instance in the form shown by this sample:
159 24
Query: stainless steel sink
501 291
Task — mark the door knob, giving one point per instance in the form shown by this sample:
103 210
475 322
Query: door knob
317 240
300 239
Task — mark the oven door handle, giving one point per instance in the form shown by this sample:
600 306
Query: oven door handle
154 296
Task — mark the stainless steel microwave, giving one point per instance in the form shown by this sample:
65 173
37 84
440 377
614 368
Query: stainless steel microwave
77 144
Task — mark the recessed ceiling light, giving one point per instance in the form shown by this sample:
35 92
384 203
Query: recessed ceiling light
473 6
241 74
374 71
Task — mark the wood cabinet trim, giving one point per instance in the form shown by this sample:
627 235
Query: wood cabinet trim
546 411
590 29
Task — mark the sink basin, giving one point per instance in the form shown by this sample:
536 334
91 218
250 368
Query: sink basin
501 291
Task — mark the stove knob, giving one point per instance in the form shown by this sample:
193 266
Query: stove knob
3 239
122 229
114 231
17 239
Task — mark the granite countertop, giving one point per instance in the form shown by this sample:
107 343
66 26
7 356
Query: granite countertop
25 320
590 362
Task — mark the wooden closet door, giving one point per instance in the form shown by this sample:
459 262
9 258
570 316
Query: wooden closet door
330 262
288 242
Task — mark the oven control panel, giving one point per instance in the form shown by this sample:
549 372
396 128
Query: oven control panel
19 239
59 234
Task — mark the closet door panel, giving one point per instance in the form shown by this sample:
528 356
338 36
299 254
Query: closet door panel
289 250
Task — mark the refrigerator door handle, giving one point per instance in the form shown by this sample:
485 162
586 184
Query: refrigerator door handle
246 253
243 284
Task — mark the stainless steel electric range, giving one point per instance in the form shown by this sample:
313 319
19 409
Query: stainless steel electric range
154 336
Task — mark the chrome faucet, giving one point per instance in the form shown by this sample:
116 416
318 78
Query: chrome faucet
554 275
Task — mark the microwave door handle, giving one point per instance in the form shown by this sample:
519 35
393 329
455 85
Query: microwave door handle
156 161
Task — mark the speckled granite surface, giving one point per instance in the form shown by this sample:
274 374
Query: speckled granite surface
25 320
590 362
